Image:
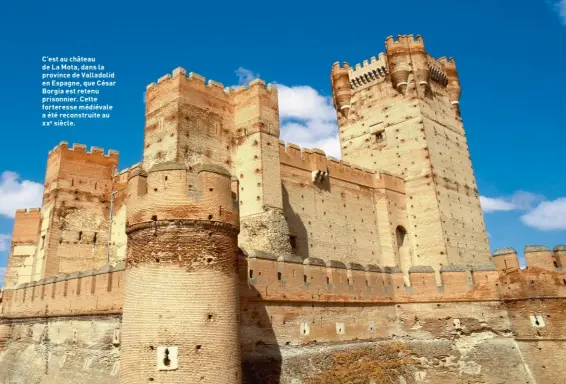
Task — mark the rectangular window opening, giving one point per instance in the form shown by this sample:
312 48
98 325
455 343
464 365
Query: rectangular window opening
293 241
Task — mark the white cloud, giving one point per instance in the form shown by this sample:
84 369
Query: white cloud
16 193
547 216
539 213
490 204
519 201
308 119
304 103
560 7
5 240
245 75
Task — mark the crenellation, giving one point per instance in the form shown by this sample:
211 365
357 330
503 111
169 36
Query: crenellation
163 79
256 246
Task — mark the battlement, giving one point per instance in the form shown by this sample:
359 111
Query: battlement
290 278
537 257
123 175
368 72
25 211
81 148
217 87
165 192
316 161
92 292
437 71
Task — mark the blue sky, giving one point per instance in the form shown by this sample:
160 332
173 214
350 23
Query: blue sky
509 55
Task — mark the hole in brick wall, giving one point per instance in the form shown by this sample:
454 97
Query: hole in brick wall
327 280
279 276
80 235
154 217
305 278
210 189
209 316
209 217
209 260
251 273
166 178
198 347
94 238
157 260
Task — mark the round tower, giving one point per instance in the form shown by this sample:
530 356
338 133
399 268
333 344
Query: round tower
453 86
181 302
398 59
340 80
420 63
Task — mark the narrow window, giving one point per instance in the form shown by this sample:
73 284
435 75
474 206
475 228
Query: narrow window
94 237
80 235
379 137
305 278
42 241
251 273
293 241
279 276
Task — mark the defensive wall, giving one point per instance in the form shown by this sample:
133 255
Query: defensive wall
271 278
293 309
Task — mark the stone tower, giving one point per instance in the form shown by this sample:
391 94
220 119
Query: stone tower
181 305
75 211
400 113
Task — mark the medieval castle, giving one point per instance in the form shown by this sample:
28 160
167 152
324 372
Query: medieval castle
228 256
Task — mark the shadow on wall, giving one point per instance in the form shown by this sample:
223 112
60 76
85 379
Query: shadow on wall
297 230
261 356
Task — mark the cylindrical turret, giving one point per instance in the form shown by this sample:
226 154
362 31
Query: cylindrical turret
398 59
420 63
181 306
341 89
453 86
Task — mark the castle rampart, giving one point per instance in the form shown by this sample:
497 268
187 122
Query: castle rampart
226 245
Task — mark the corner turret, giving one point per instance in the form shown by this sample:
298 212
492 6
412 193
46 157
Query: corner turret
453 86
398 57
341 89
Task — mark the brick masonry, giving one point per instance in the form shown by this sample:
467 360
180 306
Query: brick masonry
228 256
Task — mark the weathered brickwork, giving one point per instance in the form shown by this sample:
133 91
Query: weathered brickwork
229 256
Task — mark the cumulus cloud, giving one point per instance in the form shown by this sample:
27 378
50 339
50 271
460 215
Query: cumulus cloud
547 216
560 7
519 201
308 119
539 213
16 193
5 240
245 75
